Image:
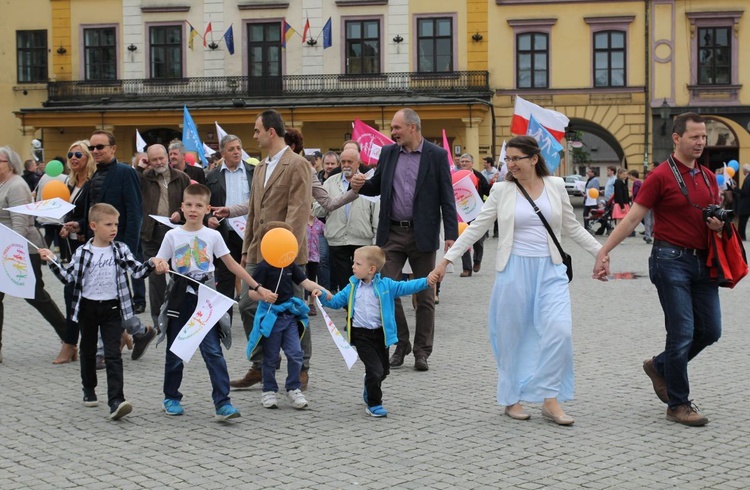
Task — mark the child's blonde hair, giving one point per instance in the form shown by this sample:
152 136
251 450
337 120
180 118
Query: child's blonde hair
373 255
99 210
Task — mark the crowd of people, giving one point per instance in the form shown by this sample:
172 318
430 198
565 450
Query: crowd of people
358 231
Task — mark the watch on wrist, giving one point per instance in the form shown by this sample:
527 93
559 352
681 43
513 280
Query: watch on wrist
254 288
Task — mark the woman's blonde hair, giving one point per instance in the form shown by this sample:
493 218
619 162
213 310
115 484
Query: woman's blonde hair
90 163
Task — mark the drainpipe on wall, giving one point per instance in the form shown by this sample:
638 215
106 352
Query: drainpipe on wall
647 91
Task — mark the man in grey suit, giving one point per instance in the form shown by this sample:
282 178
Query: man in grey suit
414 183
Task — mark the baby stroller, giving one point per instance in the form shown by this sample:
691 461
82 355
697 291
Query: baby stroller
602 216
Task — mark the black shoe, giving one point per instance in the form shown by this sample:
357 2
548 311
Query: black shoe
397 359
120 409
420 364
89 399
141 342
140 308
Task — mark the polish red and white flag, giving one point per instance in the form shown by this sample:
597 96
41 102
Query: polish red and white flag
555 122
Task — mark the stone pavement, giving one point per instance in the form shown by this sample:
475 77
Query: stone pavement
444 428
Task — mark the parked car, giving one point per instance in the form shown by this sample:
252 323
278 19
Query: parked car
570 184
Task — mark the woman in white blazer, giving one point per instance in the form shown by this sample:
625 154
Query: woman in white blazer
529 315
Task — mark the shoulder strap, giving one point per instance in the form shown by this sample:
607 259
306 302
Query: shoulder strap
541 217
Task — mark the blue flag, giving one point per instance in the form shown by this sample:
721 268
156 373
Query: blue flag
550 147
190 137
327 35
229 40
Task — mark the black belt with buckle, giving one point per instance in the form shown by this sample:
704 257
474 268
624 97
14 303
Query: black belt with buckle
402 224
690 251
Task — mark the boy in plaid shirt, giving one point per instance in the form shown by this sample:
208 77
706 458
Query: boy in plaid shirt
101 300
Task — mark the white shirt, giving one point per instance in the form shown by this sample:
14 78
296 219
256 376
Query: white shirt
238 192
271 162
100 279
529 233
366 307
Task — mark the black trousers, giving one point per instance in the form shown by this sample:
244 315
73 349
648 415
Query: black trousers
342 259
157 283
373 353
742 225
105 316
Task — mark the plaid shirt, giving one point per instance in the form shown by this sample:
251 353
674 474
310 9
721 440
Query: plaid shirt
124 261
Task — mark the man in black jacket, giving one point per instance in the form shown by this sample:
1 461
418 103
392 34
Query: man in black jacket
414 183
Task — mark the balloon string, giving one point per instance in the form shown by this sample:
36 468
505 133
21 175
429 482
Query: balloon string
278 283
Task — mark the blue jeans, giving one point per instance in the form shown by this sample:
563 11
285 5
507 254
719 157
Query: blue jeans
692 314
285 335
210 349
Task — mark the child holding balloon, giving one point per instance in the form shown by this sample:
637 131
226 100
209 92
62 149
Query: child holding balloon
280 323
191 249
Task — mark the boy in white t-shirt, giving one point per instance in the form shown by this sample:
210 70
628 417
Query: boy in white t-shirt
101 301
191 249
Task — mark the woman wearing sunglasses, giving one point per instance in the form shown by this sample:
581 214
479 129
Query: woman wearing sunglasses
15 192
530 323
82 167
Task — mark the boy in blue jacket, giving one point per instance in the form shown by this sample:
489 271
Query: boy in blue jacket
371 318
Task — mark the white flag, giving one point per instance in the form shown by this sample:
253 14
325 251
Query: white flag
211 307
164 220
208 150
49 208
220 133
238 224
16 275
468 201
140 144
350 355
504 168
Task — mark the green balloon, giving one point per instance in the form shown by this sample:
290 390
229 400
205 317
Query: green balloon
53 168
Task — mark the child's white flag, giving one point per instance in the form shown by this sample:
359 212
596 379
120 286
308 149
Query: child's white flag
238 224
350 355
210 308
16 274
49 208
140 144
468 201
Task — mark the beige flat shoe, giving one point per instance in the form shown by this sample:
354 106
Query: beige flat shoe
562 419
518 415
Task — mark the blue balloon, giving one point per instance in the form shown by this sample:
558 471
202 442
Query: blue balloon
735 165
720 180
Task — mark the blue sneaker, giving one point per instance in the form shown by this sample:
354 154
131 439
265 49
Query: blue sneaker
376 411
172 407
364 392
227 412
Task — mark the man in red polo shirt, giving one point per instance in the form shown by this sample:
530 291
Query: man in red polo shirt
677 266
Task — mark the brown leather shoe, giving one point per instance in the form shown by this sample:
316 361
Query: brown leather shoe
304 377
252 377
660 385
420 364
477 267
397 359
686 414
466 274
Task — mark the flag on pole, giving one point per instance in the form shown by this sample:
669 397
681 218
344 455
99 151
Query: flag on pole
447 148
306 31
554 121
349 354
205 35
49 208
209 310
468 201
192 35
190 137
327 35
286 33
16 274
547 144
208 150
229 39
370 140
504 168
220 133
140 143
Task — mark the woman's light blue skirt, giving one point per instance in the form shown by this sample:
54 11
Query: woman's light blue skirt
530 331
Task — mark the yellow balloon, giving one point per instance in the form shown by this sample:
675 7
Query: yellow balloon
729 171
461 227
279 247
593 193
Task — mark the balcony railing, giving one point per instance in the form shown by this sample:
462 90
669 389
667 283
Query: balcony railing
304 86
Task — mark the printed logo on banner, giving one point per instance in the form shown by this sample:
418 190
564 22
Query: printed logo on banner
15 263
197 321
466 200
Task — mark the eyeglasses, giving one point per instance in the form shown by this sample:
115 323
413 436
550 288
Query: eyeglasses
516 159
98 147
76 154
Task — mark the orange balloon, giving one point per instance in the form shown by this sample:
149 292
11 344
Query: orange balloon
55 188
729 171
279 247
593 193
461 227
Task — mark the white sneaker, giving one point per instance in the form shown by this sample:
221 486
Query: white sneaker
268 398
297 399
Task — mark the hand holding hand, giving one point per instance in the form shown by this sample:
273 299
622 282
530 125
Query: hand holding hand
601 267
160 265
358 180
